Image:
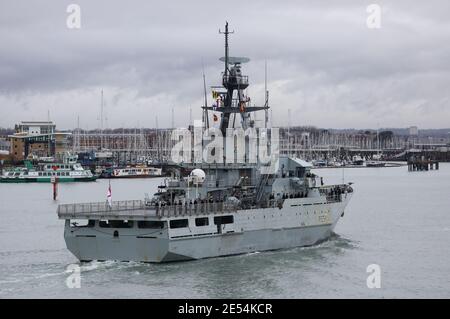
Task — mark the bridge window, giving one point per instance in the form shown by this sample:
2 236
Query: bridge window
150 224
179 223
229 219
202 221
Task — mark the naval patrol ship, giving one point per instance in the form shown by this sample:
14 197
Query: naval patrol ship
210 209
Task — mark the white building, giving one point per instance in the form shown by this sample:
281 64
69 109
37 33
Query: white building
35 127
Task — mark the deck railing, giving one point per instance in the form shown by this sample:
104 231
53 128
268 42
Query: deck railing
101 207
137 209
141 210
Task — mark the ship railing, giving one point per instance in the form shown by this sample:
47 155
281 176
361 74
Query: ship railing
104 209
333 192
235 80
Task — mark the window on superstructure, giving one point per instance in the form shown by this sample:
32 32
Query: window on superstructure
202 221
229 219
179 223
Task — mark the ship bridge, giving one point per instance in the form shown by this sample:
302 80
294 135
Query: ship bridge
235 80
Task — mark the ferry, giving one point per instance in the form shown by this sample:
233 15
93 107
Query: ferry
133 172
47 172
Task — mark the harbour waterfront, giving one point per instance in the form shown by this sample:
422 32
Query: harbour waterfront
397 219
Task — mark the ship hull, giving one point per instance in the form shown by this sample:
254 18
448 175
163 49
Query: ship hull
292 226
158 250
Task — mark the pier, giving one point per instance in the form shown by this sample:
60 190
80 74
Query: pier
422 164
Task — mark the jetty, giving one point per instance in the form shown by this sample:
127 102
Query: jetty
422 164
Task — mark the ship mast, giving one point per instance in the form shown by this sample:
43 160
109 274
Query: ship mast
226 33
233 80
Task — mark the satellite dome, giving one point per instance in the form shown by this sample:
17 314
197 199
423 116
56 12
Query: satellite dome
198 175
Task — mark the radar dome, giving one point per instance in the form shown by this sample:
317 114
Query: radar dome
198 175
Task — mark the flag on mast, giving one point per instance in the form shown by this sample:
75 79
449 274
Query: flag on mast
109 196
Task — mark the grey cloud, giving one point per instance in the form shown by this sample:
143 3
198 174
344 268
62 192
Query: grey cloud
148 55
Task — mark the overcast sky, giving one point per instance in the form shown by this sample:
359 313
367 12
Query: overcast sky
324 63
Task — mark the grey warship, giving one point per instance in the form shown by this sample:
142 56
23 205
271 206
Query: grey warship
210 209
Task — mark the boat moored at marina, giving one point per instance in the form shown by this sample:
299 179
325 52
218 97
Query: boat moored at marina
375 163
132 172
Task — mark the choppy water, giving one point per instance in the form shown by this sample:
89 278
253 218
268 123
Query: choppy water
396 219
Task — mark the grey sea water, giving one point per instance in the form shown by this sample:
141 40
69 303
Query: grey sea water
397 219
